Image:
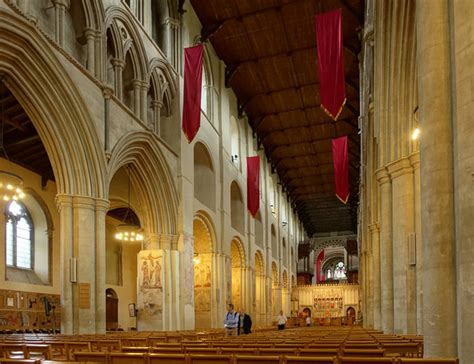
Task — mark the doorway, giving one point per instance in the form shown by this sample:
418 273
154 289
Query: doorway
111 310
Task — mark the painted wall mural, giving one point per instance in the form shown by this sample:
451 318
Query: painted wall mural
150 278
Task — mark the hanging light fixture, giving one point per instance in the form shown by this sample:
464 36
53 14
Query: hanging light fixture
127 231
10 183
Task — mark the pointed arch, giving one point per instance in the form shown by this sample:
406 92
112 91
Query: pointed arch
152 177
127 37
57 109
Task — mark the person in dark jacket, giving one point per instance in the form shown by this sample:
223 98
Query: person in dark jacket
245 323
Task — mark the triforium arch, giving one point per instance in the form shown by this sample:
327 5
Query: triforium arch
87 19
57 109
237 252
260 296
153 180
205 281
162 92
128 66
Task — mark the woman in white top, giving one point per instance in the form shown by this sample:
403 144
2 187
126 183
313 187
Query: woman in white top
281 320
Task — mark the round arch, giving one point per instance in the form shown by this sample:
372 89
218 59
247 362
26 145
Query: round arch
204 249
57 109
259 289
158 201
237 253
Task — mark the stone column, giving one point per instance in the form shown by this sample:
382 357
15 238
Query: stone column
85 251
386 250
415 162
143 101
118 65
155 123
436 171
463 52
369 279
89 34
64 205
60 8
107 93
186 246
278 304
247 289
137 85
401 174
101 208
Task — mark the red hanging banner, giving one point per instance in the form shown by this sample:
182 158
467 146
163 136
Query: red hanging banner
193 57
253 184
319 260
332 88
341 168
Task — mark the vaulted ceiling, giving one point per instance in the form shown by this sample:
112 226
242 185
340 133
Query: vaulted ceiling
269 49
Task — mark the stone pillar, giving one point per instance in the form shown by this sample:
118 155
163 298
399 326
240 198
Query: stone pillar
186 246
60 8
415 162
369 279
137 85
90 39
85 248
107 93
386 250
154 124
101 208
436 171
401 174
118 65
247 289
171 30
64 205
143 101
463 52
278 304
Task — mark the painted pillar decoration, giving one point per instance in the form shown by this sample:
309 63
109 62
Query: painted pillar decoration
341 168
150 289
331 62
193 58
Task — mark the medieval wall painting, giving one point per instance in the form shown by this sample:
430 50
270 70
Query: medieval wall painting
150 278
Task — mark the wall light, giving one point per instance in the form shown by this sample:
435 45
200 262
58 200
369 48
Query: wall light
415 134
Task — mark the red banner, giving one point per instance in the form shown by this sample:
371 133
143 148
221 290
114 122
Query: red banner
193 57
332 88
341 168
319 260
253 184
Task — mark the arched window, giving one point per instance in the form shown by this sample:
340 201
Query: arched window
19 236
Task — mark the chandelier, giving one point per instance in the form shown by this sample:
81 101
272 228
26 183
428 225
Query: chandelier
128 231
10 186
10 183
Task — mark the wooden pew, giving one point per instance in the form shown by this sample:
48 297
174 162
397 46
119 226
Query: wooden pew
428 361
254 359
363 352
96 356
213 359
166 358
310 360
128 358
367 360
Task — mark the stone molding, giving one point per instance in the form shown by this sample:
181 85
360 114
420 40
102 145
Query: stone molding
399 168
375 226
382 176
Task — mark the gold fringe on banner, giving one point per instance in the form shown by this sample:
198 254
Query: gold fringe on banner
340 199
338 113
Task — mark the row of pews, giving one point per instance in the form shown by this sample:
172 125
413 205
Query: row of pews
323 345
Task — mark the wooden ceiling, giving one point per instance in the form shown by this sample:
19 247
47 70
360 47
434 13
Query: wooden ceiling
21 142
269 49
